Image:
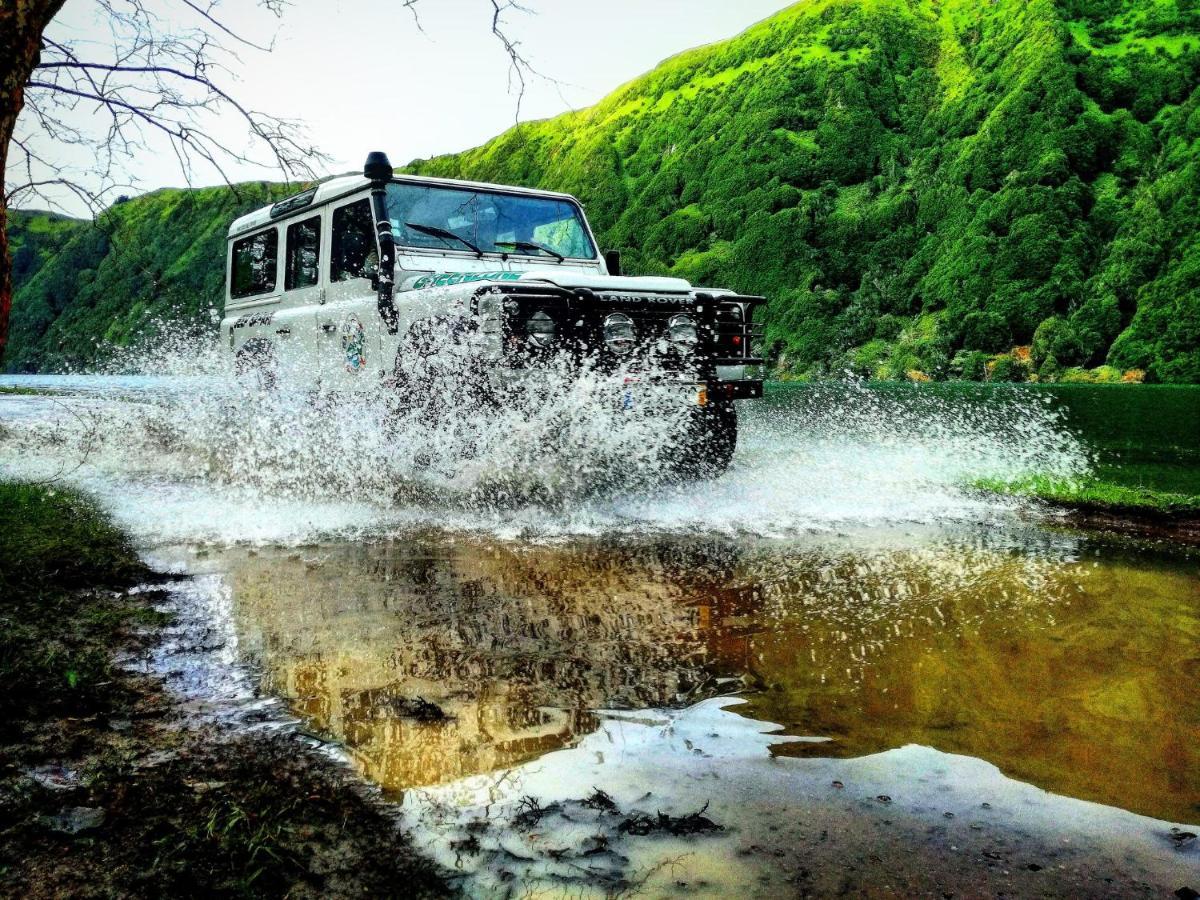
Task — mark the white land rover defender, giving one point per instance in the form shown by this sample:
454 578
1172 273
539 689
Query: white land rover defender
339 288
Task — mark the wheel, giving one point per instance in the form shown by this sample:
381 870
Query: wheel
255 365
708 443
436 368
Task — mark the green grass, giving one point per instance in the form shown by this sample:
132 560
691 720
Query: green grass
1095 494
56 538
56 630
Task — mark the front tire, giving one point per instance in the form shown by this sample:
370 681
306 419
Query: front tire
709 440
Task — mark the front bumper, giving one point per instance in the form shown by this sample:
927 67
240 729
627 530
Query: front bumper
740 389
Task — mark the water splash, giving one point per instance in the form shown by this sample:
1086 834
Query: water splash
184 451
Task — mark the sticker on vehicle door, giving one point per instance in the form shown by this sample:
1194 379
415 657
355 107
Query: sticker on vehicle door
354 344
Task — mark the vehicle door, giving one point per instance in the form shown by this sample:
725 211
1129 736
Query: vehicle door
303 294
348 324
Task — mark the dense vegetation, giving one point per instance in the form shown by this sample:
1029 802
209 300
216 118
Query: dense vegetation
924 188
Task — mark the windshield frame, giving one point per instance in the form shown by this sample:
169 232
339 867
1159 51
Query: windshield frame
475 188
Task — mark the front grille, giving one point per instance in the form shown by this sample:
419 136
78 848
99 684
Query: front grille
579 315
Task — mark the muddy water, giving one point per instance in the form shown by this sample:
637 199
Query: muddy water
868 677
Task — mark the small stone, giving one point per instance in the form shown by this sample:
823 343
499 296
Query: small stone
75 819
948 815
1186 893
1034 867
838 785
985 805
884 798
203 787
55 778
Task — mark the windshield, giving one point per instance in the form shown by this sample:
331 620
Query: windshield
493 222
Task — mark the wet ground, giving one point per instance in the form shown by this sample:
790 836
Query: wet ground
833 671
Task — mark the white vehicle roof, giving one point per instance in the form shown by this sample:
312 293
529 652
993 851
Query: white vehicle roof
348 184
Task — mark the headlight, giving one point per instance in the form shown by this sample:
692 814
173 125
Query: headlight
540 328
681 332
619 335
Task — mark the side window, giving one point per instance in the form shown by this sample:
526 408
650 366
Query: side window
254 264
301 266
354 252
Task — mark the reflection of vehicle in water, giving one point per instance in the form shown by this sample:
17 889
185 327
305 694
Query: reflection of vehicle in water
962 645
450 289
433 662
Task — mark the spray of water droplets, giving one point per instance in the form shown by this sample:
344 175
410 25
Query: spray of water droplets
187 451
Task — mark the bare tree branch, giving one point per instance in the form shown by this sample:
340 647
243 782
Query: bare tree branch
156 79
221 26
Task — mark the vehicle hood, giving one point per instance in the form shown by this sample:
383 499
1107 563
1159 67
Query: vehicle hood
569 279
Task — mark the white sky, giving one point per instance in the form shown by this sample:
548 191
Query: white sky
362 77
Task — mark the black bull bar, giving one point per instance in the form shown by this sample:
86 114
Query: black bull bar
726 338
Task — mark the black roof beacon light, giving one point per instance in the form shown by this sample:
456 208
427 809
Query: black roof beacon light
379 170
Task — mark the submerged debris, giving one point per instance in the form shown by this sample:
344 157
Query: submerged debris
599 800
642 824
468 846
1180 838
530 812
418 708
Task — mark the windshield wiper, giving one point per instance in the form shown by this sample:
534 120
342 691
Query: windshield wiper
444 233
531 245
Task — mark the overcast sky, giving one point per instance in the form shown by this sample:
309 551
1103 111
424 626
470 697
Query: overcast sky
363 77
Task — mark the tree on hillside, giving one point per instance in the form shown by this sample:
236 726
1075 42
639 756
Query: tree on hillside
151 82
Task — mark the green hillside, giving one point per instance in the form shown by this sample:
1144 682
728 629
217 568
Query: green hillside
950 189
79 284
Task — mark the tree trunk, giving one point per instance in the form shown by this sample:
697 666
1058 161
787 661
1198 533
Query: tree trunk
21 25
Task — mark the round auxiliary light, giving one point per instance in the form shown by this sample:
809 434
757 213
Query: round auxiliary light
682 333
731 311
540 329
619 335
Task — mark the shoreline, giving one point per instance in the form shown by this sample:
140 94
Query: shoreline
1097 504
107 788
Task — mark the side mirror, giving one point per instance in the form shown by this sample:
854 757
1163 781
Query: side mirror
612 261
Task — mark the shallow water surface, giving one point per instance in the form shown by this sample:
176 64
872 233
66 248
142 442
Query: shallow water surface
433 657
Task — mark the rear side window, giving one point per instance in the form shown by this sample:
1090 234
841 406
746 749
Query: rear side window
254 260
354 254
302 266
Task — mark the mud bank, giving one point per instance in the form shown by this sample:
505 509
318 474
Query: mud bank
109 788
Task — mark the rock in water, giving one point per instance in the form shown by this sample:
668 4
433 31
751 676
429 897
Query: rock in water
75 819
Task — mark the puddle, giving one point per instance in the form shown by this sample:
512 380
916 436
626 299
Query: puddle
1030 670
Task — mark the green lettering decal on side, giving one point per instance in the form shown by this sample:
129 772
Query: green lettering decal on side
450 278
